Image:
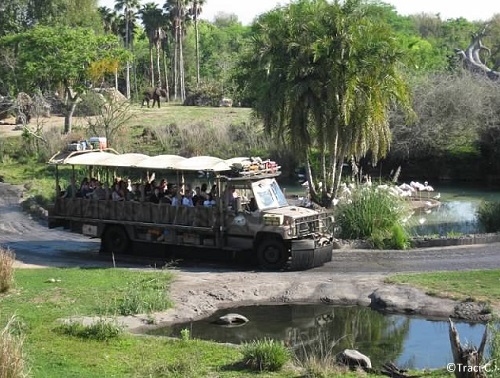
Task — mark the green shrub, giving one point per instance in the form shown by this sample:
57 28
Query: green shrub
7 259
394 238
374 214
265 355
101 330
12 362
488 215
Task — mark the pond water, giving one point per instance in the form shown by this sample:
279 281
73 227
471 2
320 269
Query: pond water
313 329
456 214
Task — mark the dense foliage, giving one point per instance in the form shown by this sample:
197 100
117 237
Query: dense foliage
81 46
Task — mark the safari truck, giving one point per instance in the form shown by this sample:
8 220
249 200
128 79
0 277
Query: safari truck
248 212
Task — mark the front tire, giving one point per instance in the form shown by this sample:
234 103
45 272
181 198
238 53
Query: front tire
115 240
272 254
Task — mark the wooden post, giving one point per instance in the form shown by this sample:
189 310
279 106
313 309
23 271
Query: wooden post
466 360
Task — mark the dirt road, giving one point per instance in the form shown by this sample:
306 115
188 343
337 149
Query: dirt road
201 288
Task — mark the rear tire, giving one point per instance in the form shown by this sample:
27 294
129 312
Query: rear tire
272 254
115 240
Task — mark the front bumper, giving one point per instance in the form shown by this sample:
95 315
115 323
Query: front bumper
306 254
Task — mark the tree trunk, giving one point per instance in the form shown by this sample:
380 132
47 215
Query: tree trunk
197 47
70 106
151 65
165 72
467 360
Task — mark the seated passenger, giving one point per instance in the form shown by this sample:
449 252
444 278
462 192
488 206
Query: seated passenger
117 194
209 202
155 196
99 193
187 200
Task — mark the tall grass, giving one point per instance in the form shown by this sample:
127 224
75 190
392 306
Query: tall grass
488 215
7 259
265 355
101 330
144 295
12 362
374 214
317 356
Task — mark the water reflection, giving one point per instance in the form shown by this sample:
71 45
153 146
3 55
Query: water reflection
410 342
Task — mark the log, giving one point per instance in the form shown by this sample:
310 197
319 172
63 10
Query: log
467 359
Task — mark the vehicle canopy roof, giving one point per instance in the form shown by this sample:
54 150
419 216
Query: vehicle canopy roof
241 166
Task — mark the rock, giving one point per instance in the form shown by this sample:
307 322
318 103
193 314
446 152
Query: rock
232 320
354 359
475 311
410 301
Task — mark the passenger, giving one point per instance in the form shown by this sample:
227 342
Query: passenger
203 191
98 193
134 194
230 196
68 193
187 200
210 201
252 205
155 197
117 194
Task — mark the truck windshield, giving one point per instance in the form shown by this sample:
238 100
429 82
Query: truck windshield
268 194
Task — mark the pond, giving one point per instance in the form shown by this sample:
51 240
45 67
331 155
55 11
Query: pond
457 213
455 216
310 329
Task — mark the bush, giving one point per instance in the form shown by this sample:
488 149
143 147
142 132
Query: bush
488 215
101 330
7 259
12 364
374 214
265 355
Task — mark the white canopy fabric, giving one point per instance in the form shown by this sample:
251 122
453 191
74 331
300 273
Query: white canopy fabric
123 160
172 162
160 162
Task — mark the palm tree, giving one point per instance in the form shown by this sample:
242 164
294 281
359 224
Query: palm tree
331 75
110 20
177 13
128 7
194 11
154 21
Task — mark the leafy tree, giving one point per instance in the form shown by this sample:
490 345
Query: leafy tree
325 76
49 57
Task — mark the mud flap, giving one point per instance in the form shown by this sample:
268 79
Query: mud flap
306 256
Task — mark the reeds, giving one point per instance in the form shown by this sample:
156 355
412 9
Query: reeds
12 363
7 259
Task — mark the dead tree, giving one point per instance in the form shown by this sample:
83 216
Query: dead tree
467 359
471 57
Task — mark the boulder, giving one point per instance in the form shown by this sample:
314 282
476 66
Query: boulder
232 320
354 359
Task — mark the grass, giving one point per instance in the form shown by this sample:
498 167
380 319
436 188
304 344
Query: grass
480 285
